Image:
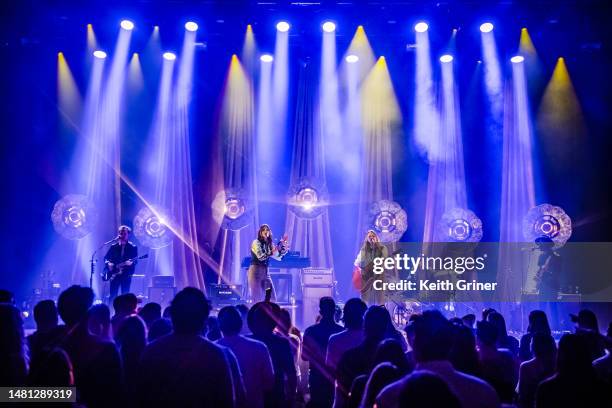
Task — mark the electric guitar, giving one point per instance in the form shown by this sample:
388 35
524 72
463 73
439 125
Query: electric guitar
111 273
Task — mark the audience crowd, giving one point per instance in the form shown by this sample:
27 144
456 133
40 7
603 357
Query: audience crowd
255 357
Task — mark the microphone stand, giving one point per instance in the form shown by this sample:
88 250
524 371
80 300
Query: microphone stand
92 261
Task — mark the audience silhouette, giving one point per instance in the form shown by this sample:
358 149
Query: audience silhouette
183 368
189 358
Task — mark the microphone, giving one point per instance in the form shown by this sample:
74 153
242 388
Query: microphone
111 241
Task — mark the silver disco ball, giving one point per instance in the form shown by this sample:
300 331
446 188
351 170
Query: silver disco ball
549 221
459 225
74 216
308 198
388 219
151 227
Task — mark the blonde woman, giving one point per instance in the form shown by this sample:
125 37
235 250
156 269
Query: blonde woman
371 248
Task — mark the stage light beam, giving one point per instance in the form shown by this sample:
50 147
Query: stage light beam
68 94
425 114
135 77
493 81
517 59
446 58
361 48
92 42
351 59
526 46
518 182
249 50
266 58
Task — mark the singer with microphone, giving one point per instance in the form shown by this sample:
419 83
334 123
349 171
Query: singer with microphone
120 262
262 249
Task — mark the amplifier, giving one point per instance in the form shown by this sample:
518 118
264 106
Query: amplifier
317 277
138 286
163 296
225 294
162 281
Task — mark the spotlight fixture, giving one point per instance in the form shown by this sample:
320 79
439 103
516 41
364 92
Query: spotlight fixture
233 209
517 59
127 25
421 27
282 26
308 198
169 56
486 27
329 27
191 26
266 58
388 219
74 216
446 58
459 225
99 54
151 227
352 58
546 220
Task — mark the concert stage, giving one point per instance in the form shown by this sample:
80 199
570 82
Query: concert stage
449 129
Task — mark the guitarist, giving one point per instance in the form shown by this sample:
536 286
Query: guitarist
118 262
371 248
549 269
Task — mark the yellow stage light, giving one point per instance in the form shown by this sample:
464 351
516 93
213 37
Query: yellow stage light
69 98
360 48
381 115
526 47
92 43
560 115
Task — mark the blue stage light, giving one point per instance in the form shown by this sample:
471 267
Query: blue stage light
329 27
517 59
282 26
127 25
191 26
99 54
486 27
169 56
446 58
421 27
266 58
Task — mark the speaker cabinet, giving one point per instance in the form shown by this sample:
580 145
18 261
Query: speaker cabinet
317 277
